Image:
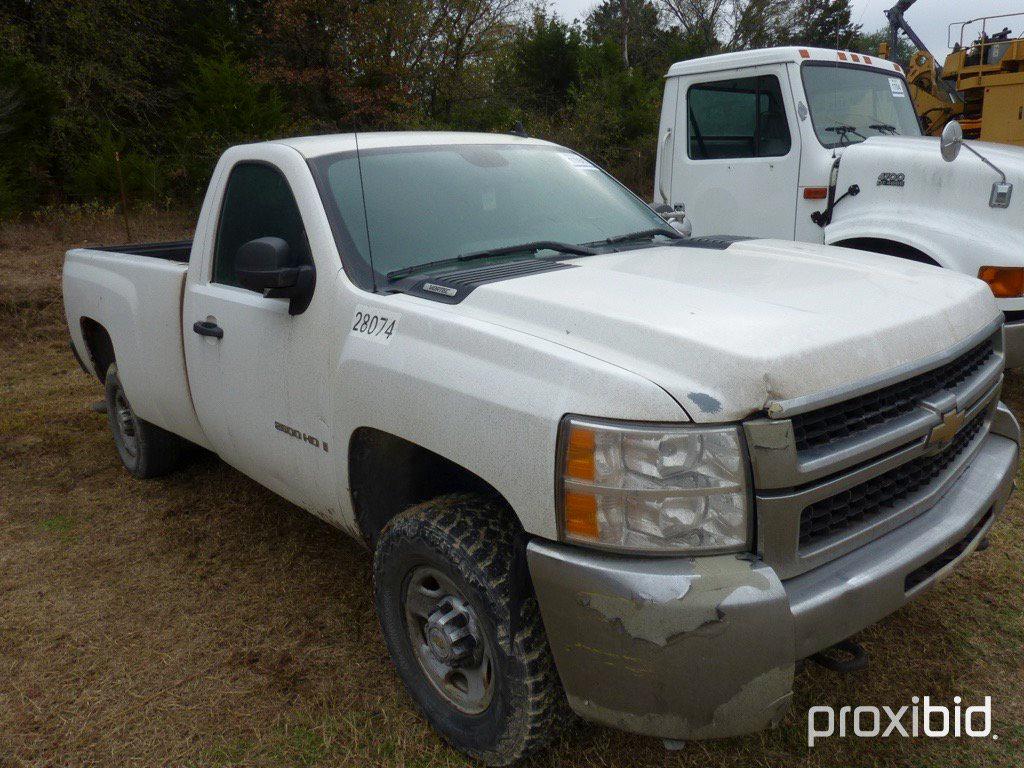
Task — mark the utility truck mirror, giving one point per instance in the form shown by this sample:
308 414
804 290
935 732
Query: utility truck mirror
952 141
675 216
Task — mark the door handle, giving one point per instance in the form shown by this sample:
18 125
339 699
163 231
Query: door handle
206 328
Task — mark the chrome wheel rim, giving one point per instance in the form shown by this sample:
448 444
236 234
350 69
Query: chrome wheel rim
447 640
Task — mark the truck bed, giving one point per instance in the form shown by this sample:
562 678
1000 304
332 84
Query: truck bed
174 250
134 293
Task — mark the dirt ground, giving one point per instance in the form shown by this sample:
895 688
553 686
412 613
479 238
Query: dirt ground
198 620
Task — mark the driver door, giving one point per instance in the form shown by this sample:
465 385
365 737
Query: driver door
738 153
239 345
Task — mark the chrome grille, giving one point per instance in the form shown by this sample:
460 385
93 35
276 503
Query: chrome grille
846 419
882 494
832 478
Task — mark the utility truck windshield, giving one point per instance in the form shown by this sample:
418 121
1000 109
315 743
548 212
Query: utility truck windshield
441 206
849 104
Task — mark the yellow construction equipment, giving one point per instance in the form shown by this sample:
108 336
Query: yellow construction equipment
981 83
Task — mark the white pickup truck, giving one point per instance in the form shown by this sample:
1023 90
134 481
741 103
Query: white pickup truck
598 464
824 146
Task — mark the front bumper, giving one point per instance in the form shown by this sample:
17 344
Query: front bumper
706 647
1013 343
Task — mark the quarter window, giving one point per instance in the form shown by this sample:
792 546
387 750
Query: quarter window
738 118
257 203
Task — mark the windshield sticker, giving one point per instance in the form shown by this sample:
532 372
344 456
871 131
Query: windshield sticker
375 325
896 86
579 162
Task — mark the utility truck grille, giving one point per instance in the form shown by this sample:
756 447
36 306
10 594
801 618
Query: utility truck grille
844 419
832 478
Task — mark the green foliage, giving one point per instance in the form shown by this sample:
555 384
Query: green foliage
543 63
869 43
26 107
222 105
168 84
95 174
825 24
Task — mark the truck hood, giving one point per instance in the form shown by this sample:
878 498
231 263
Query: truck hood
960 189
728 332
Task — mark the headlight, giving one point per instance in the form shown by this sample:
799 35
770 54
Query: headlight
637 487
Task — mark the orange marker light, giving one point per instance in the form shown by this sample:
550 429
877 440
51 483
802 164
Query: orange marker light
579 456
581 515
815 193
1005 282
805 54
842 56
855 57
867 59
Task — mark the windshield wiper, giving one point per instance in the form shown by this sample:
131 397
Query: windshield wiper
885 128
843 132
538 245
643 234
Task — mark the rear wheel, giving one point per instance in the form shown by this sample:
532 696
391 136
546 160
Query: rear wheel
145 449
468 645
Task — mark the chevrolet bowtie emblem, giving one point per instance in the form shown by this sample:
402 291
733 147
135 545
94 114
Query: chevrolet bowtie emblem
946 431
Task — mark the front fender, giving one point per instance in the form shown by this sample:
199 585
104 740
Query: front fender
910 196
488 398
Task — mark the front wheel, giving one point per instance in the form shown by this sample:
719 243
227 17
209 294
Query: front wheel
471 650
145 449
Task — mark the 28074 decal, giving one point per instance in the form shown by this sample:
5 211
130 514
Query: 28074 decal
374 325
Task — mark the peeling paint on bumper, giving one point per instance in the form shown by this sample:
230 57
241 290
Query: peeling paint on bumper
680 648
693 648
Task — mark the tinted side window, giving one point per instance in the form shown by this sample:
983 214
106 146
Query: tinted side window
257 203
745 117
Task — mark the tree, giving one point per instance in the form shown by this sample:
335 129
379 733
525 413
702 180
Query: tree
543 63
824 24
731 25
870 43
637 30
759 24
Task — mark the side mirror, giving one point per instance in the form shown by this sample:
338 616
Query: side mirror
675 216
952 141
265 265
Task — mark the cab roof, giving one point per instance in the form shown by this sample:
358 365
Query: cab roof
788 55
316 146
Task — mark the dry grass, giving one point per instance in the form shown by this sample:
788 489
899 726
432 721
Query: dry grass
199 620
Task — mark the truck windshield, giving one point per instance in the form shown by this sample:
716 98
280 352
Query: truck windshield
850 104
435 204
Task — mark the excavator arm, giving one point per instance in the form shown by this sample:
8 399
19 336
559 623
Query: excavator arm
898 23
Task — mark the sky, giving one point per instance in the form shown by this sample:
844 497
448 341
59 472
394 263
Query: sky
928 17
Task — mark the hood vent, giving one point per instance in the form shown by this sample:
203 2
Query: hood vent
453 288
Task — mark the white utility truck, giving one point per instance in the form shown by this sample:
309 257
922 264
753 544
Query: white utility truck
824 146
598 464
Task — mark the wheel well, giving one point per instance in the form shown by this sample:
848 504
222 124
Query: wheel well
388 474
98 345
888 248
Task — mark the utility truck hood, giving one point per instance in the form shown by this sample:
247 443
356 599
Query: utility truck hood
906 177
728 332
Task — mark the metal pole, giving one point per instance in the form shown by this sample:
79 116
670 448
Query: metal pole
124 197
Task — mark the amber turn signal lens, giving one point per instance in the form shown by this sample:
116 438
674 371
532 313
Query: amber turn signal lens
815 193
1005 282
581 515
579 458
